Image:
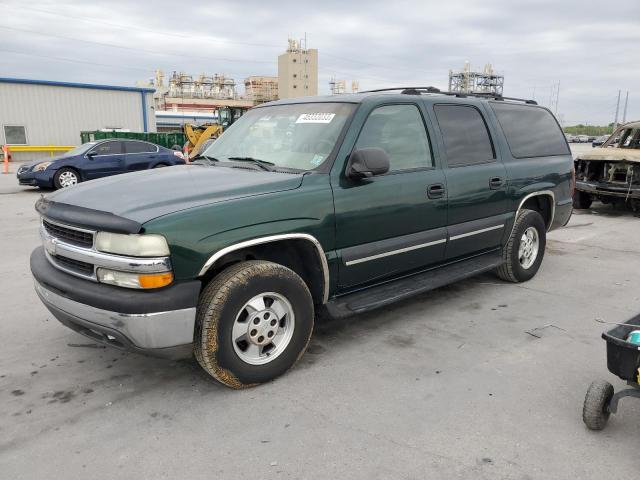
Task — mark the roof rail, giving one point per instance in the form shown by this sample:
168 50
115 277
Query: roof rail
421 90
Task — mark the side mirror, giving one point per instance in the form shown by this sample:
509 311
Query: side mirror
367 162
90 155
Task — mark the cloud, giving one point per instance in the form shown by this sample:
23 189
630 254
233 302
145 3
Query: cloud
589 50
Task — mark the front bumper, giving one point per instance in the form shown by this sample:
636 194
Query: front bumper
42 179
608 189
159 323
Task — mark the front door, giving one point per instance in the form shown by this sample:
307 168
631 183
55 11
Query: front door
107 159
476 181
393 223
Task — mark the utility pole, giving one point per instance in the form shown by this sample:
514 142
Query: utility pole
624 112
615 122
557 98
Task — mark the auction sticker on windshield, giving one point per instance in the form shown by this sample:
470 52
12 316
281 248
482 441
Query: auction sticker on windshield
315 118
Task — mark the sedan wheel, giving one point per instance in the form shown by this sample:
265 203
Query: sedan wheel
65 178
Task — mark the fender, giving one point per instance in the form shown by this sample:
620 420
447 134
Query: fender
270 239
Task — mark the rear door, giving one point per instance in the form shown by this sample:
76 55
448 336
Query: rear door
139 155
476 180
108 159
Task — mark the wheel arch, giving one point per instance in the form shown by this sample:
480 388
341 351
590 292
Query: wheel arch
300 252
542 201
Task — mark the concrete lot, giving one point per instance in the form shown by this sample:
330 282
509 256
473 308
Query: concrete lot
447 385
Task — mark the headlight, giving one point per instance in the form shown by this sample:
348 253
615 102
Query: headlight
133 245
134 280
41 166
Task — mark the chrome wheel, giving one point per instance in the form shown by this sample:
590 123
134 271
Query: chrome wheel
529 246
263 328
67 179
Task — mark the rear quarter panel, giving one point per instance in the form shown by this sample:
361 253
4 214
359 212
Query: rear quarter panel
536 174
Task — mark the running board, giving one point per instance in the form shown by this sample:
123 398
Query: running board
393 291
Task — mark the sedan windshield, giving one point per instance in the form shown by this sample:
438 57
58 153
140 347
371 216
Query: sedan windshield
79 150
297 136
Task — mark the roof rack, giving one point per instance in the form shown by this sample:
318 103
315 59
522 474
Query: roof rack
421 90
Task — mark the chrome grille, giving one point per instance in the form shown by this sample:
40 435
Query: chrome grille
71 235
83 268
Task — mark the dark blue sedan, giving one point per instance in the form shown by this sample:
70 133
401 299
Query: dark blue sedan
95 160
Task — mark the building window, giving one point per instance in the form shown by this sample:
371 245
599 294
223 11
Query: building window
15 135
295 86
294 60
295 75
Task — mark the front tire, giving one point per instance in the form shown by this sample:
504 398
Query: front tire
254 321
581 200
65 178
524 250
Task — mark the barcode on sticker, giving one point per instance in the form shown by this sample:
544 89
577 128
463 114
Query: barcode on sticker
315 118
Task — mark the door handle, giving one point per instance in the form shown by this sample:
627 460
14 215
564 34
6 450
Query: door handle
495 183
435 191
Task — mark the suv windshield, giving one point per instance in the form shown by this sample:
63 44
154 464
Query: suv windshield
298 136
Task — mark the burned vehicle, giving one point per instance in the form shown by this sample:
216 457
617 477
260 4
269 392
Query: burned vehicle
611 173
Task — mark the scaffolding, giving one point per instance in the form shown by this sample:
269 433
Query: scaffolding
261 89
467 81
182 85
338 87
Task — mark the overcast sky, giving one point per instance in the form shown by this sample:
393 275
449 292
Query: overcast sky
591 48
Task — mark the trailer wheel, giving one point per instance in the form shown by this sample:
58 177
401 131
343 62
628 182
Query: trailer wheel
595 411
254 321
581 200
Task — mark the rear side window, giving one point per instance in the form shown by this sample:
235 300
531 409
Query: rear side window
530 131
465 135
139 147
107 148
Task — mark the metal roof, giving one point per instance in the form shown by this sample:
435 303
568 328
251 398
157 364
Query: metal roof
51 83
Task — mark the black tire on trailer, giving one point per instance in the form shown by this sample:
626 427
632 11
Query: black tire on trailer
581 200
254 321
524 250
66 177
595 411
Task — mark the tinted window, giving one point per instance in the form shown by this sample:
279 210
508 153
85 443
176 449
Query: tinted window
465 135
108 148
530 131
139 147
399 131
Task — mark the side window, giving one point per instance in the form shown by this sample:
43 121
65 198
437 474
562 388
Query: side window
465 135
108 148
530 131
399 130
139 147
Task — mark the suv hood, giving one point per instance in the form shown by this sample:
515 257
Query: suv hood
143 196
614 154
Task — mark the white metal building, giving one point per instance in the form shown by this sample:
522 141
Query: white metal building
35 113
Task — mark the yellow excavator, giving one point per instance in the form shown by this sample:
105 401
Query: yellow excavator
198 135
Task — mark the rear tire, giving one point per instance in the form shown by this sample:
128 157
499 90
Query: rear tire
161 165
595 411
254 321
524 250
581 200
66 177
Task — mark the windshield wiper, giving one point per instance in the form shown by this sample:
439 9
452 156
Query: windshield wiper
210 160
268 166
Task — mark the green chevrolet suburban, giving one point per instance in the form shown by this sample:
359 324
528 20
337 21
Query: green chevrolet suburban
329 205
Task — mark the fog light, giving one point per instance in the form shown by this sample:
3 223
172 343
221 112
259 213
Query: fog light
134 280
